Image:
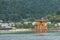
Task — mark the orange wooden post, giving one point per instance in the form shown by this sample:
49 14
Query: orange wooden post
45 27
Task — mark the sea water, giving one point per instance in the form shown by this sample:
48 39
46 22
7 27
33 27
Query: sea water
32 36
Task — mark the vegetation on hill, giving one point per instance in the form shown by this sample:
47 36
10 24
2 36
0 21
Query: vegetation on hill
27 10
54 17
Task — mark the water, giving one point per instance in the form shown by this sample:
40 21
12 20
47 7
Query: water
45 36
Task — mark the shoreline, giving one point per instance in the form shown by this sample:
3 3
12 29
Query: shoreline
22 31
16 31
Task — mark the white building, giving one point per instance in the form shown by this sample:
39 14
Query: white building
48 22
33 23
27 22
7 25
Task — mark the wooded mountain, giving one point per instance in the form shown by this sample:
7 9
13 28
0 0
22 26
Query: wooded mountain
18 10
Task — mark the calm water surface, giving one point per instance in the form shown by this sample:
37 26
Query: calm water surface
45 36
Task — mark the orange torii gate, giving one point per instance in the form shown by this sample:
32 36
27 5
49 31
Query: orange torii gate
41 26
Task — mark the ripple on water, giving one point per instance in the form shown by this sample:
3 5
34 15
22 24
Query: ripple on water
46 36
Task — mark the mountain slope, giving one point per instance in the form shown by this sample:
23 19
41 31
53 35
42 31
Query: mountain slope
17 10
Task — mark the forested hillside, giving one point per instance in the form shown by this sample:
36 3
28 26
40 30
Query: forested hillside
20 10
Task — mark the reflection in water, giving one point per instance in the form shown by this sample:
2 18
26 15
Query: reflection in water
41 34
49 36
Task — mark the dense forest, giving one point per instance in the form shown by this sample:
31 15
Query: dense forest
27 10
